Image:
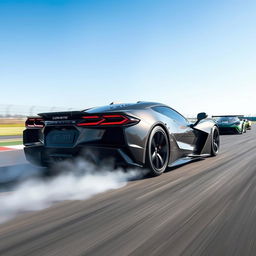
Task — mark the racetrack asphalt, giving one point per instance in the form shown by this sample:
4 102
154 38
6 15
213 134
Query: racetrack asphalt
8 158
207 207
10 137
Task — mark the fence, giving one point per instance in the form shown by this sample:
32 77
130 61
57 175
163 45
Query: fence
21 111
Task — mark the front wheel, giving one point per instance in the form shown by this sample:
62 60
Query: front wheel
158 151
215 141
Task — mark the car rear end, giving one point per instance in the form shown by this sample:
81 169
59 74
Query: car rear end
51 137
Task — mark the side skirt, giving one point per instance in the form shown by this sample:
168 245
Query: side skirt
185 160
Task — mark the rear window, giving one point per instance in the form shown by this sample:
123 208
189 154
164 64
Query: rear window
171 113
114 107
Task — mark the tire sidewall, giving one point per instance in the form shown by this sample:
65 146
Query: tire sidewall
149 163
213 153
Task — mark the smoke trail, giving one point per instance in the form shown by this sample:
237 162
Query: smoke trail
78 181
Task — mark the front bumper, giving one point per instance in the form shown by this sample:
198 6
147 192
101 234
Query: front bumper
229 130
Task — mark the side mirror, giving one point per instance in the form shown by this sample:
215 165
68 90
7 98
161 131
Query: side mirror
201 116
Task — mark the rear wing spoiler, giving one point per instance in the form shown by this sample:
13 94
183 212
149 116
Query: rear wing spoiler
228 116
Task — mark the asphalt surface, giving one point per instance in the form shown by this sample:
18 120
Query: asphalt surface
14 157
206 207
4 137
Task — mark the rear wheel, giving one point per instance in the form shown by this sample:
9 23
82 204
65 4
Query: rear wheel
158 151
215 141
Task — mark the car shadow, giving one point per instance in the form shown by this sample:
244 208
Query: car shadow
11 176
169 169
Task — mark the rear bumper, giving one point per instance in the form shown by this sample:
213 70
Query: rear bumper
43 156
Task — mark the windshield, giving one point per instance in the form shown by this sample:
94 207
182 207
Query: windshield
227 119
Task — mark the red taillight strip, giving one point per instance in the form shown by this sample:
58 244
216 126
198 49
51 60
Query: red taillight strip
90 117
34 125
103 120
91 123
125 120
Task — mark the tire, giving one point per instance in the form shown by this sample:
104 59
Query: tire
158 151
215 141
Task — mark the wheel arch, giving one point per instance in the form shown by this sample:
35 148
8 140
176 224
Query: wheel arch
206 147
162 125
212 134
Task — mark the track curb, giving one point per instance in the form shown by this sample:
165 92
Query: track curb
11 148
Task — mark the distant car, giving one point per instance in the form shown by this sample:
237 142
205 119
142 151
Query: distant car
142 134
230 124
248 124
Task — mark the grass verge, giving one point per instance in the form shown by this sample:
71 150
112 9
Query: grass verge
9 131
10 143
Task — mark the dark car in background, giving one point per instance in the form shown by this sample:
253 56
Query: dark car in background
230 124
142 134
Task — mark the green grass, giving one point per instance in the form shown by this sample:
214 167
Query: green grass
10 143
7 125
11 129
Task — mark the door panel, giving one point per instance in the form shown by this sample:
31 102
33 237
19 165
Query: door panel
180 128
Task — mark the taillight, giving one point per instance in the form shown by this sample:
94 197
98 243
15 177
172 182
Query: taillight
111 119
34 123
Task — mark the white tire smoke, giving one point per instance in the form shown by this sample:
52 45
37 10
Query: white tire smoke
76 181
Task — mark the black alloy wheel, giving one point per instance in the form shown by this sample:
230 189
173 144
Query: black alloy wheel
215 141
158 151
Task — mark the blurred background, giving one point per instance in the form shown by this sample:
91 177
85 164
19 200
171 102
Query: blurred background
12 121
13 117
62 55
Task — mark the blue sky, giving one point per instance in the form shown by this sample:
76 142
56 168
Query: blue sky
193 55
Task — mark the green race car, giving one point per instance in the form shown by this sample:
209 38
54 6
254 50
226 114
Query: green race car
230 124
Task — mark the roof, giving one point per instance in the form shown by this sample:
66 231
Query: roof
123 106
